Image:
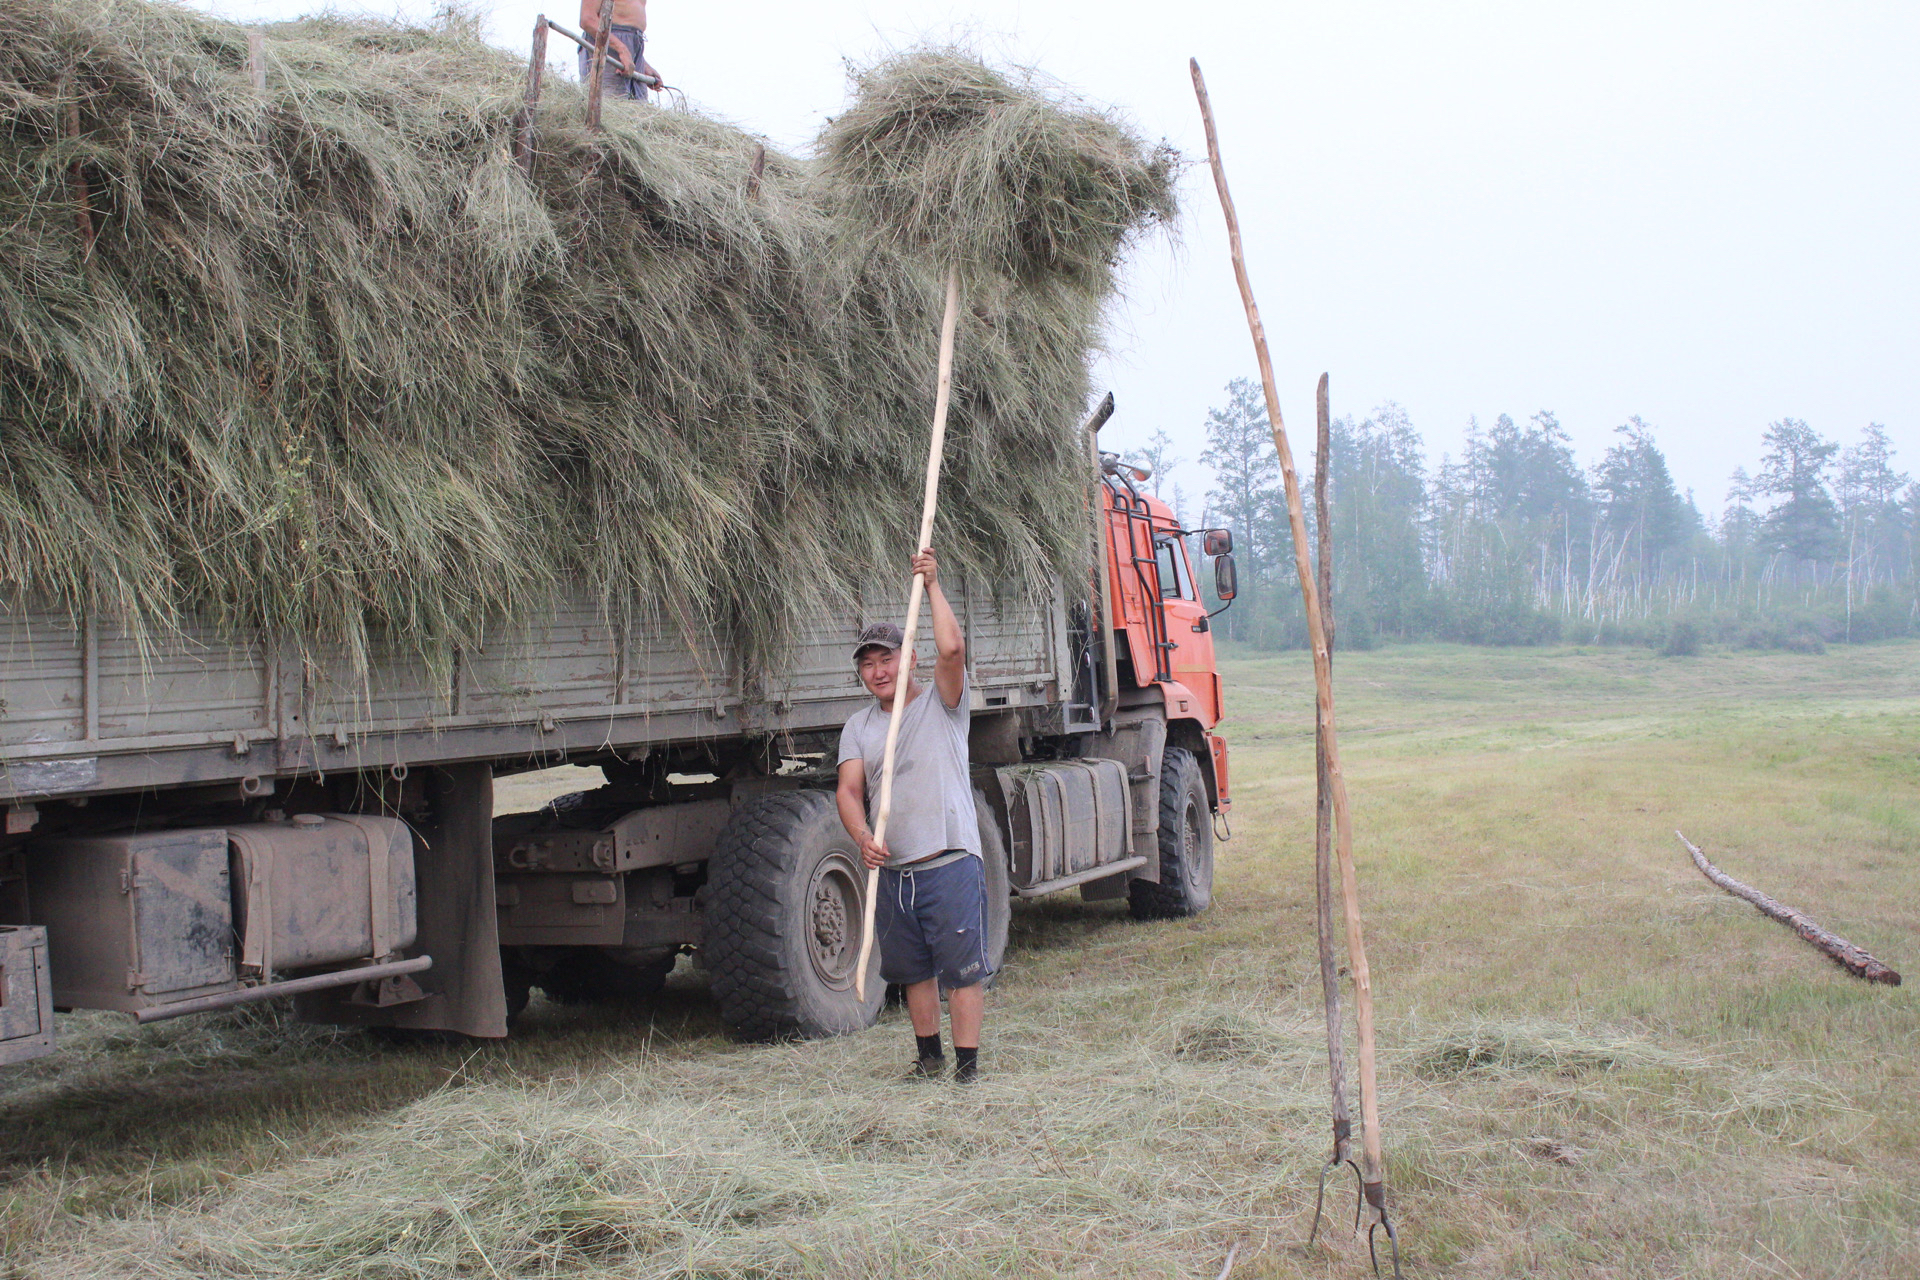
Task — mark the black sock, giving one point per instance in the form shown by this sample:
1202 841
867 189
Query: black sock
930 1046
964 1059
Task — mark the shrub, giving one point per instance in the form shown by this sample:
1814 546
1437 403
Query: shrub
1683 640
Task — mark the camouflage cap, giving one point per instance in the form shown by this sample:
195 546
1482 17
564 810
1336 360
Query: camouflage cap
887 635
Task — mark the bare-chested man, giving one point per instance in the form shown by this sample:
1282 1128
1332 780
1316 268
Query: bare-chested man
626 48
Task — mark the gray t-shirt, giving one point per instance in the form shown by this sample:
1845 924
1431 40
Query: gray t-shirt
932 790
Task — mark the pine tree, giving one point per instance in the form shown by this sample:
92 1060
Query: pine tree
1377 489
1805 523
1871 518
1638 501
1247 491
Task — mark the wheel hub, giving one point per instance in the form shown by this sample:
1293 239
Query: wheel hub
833 914
829 922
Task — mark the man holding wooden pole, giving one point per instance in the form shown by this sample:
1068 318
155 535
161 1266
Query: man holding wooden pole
931 912
625 57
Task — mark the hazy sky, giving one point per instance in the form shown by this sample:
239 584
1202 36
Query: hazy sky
1707 214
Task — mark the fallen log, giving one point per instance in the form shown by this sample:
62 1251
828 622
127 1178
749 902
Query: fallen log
1855 961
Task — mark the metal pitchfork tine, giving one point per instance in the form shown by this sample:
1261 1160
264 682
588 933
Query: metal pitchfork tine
1361 1201
1392 1240
1320 1197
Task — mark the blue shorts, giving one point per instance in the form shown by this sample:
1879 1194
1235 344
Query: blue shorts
933 924
614 84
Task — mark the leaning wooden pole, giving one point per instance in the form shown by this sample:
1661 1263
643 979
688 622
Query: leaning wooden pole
1323 808
523 128
929 503
257 60
598 64
1373 1167
1843 953
76 172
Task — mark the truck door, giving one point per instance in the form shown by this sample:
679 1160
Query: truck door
1191 659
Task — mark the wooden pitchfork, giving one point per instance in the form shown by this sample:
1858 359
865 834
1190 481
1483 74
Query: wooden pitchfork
929 502
1373 1166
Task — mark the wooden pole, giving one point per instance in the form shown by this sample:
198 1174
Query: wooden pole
257 60
1323 811
759 167
1838 949
1373 1169
536 68
76 174
929 503
599 63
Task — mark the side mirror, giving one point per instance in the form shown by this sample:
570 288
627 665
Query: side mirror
1218 542
1225 584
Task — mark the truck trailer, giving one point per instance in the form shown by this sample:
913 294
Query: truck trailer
213 821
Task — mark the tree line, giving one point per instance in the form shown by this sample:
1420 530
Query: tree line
1515 542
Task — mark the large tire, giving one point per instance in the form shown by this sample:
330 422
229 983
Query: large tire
1186 845
993 857
785 897
517 980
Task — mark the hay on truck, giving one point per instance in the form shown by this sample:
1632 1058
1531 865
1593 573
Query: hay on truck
332 366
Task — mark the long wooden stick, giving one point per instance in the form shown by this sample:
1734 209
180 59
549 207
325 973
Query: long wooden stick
257 60
1853 959
76 172
1373 1170
1323 809
652 82
929 502
599 64
523 128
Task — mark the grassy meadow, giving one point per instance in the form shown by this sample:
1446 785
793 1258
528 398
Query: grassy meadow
1593 1063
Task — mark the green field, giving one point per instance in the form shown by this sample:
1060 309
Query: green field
1593 1063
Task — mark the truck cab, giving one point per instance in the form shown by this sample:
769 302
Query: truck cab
1162 635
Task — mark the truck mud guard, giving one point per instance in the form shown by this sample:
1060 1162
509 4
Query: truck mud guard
453 872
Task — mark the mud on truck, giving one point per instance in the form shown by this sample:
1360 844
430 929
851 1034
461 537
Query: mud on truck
218 822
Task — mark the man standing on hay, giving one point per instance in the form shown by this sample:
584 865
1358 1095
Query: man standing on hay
626 49
931 923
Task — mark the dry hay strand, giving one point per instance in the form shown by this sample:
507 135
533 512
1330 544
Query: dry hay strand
1111 1155
1493 1047
335 367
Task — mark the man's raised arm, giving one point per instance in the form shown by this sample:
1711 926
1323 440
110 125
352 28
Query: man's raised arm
590 27
949 642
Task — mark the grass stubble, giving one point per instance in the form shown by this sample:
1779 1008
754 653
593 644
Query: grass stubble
1594 1063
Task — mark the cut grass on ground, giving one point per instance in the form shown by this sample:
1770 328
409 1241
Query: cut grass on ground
1593 1062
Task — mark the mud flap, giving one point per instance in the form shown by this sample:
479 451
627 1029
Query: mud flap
453 869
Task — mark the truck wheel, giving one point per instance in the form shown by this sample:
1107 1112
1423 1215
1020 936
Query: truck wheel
993 857
587 975
1186 845
517 979
785 897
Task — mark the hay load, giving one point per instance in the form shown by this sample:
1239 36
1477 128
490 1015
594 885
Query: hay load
323 360
942 155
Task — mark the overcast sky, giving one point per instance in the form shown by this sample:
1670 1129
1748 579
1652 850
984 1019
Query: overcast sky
1706 214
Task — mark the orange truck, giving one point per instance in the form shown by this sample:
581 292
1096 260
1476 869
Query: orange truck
216 820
